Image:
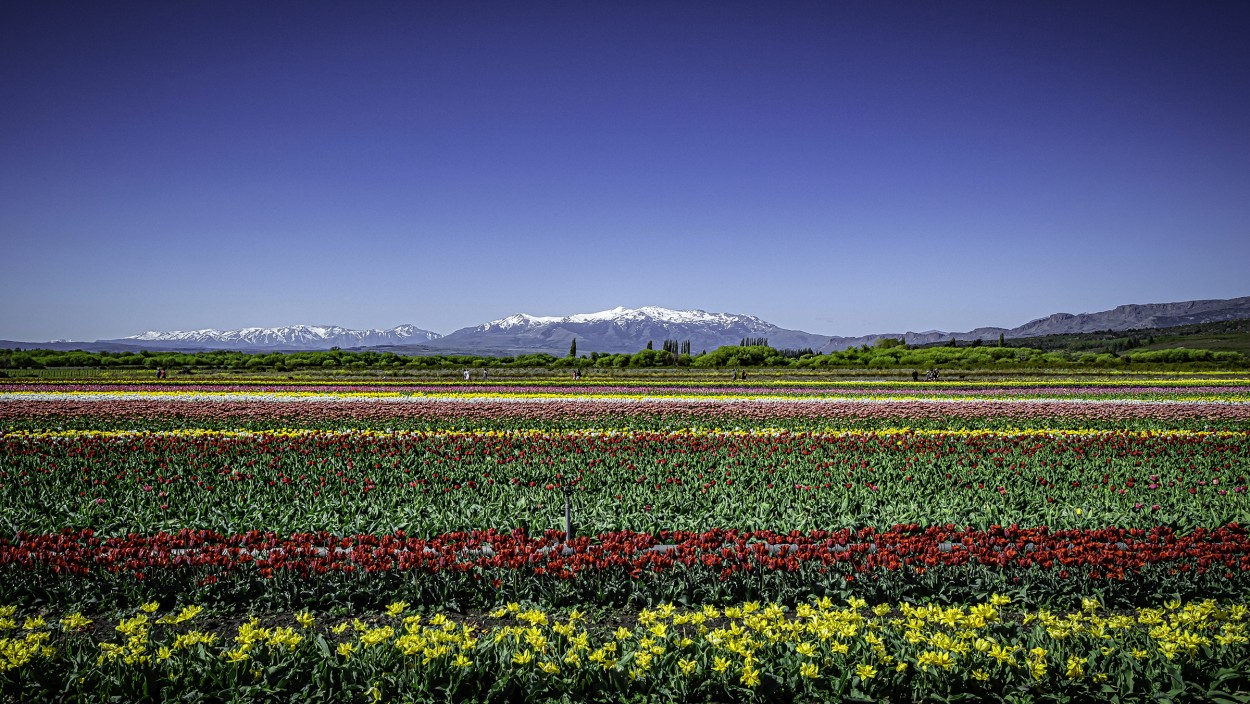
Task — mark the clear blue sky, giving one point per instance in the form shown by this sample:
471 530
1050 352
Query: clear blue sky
840 168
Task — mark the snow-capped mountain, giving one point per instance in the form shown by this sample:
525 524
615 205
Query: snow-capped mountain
619 315
622 330
290 337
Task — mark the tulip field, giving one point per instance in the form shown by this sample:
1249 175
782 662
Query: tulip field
701 541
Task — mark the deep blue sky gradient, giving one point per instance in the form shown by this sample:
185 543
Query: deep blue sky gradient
841 168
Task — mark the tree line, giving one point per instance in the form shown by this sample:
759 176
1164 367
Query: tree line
885 354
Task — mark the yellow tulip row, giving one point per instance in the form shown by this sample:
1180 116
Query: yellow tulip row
742 643
574 394
279 433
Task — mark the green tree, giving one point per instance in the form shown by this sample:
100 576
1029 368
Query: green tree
573 348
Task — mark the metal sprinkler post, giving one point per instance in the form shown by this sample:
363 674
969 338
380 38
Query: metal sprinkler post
568 513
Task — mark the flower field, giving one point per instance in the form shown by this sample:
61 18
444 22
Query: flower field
802 541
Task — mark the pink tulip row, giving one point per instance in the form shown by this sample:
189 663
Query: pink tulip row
676 389
610 411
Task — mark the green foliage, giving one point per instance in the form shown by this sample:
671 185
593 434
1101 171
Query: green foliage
981 357
885 353
648 358
750 356
1182 355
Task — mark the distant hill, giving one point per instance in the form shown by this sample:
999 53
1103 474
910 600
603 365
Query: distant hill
1138 317
1126 317
1219 336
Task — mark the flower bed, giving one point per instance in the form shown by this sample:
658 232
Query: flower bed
817 651
478 568
428 483
1020 540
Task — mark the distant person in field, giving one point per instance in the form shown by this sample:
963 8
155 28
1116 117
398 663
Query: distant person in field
915 375
466 375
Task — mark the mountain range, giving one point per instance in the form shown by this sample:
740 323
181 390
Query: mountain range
629 330
291 337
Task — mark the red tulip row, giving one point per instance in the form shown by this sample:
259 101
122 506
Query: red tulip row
1113 553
